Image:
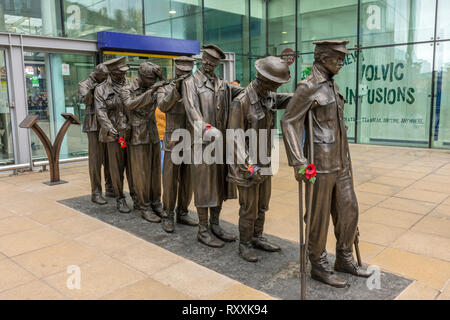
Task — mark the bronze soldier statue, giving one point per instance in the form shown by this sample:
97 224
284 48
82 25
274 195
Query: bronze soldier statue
333 190
207 99
255 109
113 126
145 153
176 177
96 149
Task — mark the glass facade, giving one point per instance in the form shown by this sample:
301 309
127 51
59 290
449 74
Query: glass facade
6 146
52 88
395 80
35 17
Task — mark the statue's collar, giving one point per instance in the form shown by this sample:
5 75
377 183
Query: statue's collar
320 73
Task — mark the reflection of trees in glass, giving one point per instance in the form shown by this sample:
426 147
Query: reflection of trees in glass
127 19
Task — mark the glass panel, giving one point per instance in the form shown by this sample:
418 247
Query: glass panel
395 94
52 88
84 18
134 62
258 27
226 24
6 145
441 123
281 26
443 26
35 17
242 69
325 20
396 21
181 19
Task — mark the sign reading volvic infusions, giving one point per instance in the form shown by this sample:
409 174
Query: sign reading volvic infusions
394 94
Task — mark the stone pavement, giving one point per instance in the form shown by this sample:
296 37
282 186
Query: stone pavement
404 201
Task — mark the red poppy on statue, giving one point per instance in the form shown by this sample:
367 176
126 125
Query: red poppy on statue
122 142
309 171
252 169
208 126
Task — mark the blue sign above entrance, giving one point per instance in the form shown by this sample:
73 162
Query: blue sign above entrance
139 43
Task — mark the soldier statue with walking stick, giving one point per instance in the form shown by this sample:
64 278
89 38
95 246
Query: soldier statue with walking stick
333 192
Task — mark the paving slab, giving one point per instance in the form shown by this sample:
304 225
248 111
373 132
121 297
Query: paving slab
276 274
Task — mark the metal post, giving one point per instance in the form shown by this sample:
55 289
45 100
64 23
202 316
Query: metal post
52 151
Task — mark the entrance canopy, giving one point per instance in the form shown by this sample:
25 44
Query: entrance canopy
146 44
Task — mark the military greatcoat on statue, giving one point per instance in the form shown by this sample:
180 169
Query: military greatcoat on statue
207 101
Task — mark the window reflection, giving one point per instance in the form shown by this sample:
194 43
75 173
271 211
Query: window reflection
395 95
35 17
6 146
52 89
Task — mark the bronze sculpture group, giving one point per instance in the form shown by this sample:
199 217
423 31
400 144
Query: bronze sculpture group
119 114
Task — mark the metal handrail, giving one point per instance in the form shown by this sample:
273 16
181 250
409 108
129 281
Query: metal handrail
44 164
14 167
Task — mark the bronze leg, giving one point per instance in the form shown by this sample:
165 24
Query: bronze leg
117 163
248 202
265 190
95 150
344 211
155 178
170 183
320 217
107 175
139 162
184 188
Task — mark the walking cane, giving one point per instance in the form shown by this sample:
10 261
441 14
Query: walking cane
356 242
304 244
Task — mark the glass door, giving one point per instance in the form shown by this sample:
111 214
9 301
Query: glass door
52 88
441 117
6 145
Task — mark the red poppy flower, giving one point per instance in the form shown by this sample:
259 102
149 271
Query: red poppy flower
251 169
310 171
208 126
122 142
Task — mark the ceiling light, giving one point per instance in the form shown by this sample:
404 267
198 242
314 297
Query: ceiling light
172 12
283 32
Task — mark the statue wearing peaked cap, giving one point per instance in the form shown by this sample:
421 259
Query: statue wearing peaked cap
333 191
139 99
207 100
113 122
177 183
96 149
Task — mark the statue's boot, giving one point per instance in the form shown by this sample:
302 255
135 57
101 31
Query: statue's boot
184 218
345 263
206 237
157 207
258 241
262 243
217 229
98 199
203 235
150 216
122 205
321 271
168 224
109 193
247 252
